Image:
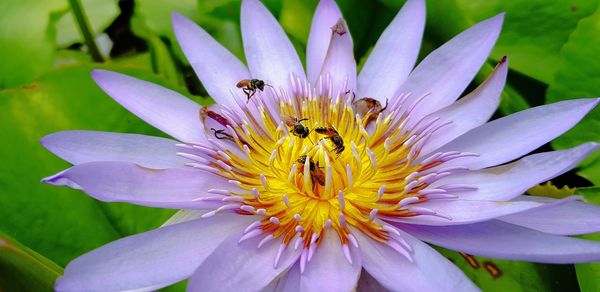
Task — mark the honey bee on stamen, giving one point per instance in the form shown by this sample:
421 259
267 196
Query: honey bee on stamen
333 136
316 173
297 128
249 86
369 107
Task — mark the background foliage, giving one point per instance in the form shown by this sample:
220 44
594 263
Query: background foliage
45 86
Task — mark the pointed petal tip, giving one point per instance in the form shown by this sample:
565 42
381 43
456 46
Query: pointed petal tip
176 16
101 76
499 16
178 21
416 4
494 22
60 180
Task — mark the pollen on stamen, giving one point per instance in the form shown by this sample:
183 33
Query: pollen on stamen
339 173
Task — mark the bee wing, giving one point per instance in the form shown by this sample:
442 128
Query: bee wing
290 121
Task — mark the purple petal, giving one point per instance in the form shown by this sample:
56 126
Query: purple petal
329 270
234 266
395 53
454 212
446 72
502 240
518 133
471 111
270 54
207 57
163 108
505 182
429 272
79 147
150 260
326 15
128 182
290 282
339 64
184 216
571 218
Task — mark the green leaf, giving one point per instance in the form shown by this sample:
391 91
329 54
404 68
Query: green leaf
22 269
296 17
577 76
100 14
219 18
28 39
533 32
445 19
161 60
500 275
59 222
589 274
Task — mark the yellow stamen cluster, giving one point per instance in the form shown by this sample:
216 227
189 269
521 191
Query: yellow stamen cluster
363 182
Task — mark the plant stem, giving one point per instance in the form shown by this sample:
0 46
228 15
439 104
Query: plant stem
84 27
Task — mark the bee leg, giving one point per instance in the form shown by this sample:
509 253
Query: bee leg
247 92
385 107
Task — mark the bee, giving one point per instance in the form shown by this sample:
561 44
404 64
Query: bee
368 107
316 173
335 138
221 134
297 128
249 86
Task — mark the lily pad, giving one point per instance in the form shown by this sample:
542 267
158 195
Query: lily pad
576 77
23 269
589 274
61 223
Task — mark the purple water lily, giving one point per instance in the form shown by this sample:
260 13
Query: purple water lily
297 181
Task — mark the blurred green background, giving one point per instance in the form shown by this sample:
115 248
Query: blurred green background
45 86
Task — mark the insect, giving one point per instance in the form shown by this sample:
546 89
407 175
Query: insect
297 128
220 134
335 138
316 173
249 86
369 107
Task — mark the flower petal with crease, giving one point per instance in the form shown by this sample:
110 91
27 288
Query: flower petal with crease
572 218
165 109
394 55
430 271
505 182
150 260
79 147
236 265
518 133
270 54
128 182
326 15
207 56
501 240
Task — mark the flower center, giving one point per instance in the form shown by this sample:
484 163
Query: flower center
307 162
